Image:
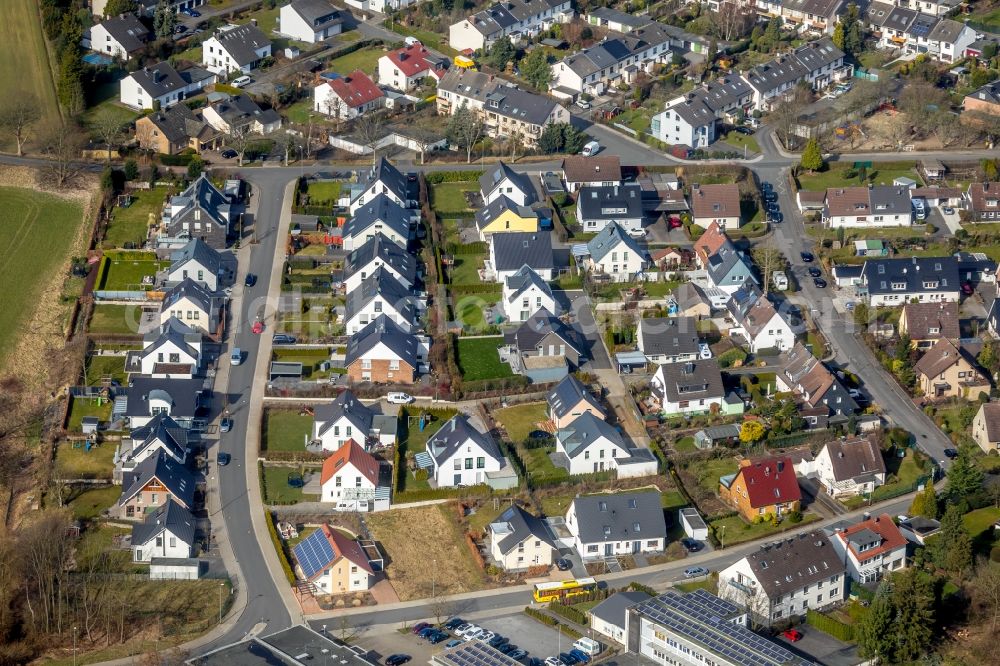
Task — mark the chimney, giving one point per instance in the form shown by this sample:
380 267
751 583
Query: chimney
253 22
767 470
781 465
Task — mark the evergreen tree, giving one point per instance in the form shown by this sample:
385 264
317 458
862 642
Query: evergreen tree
913 624
131 170
965 477
812 156
69 88
952 548
838 35
875 630
853 35
925 503
535 69
501 53
552 139
164 19
119 7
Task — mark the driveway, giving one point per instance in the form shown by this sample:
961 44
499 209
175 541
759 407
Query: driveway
576 302
821 648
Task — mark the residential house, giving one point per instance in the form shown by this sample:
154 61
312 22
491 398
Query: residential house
161 434
915 31
515 19
728 270
872 548
803 16
408 66
502 215
719 204
146 397
520 540
570 400
380 6
154 482
617 524
986 427
347 97
174 350
711 241
333 562
383 216
849 467
813 385
350 477
763 327
502 181
612 19
948 40
196 306
891 282
235 48
198 261
597 171
865 207
543 348
694 387
310 21
811 201
933 7
607 618
982 200
984 100
524 294
383 352
926 323
813 64
168 531
505 110
511 251
692 119
381 294
668 339
600 206
379 251
146 7
174 130
786 578
240 115
614 253
708 438
761 487
201 211
690 300
119 36
160 86
461 86
386 179
590 444
348 418
918 529
461 455
948 371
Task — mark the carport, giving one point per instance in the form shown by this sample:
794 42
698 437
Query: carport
285 370
629 362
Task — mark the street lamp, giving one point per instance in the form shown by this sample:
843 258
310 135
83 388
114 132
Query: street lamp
221 585
723 538
74 646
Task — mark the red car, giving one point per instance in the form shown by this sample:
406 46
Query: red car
792 634
258 327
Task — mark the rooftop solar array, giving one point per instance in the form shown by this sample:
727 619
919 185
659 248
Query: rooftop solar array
314 553
474 654
705 619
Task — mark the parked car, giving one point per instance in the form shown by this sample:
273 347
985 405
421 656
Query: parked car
506 648
849 306
568 659
583 104
746 131
792 634
951 453
553 661
854 393
453 642
766 186
399 398
580 655
694 572
229 154
487 636
637 233
691 545
770 196
437 637
820 283
236 357
590 149
193 13
563 564
815 272
462 628
426 631
226 424
283 339
454 623
241 81
967 288
948 210
674 223
807 257
397 659
258 327
180 29
420 626
223 459
473 634
535 661
496 640
704 351
250 280
518 654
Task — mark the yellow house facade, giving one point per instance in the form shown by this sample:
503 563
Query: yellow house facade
503 215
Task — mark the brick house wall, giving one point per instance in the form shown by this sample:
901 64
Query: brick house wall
381 372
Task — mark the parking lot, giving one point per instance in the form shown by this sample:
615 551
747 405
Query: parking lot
821 648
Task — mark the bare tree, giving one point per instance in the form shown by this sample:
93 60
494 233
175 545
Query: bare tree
769 259
240 139
18 114
732 20
986 590
898 130
370 127
62 145
752 597
782 118
465 129
108 129
946 128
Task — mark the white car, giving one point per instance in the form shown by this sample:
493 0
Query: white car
486 636
468 630
554 661
399 398
637 233
704 351
473 634
854 393
583 104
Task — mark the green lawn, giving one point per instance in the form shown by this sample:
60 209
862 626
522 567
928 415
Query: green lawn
738 530
100 366
92 501
309 358
707 472
36 231
709 584
470 310
538 464
685 445
980 520
324 192
300 111
81 407
74 461
126 270
739 141
277 490
671 500
834 176
365 59
450 197
111 108
522 420
991 18
906 470
466 270
192 54
286 430
129 225
432 39
478 359
413 440
114 320
267 19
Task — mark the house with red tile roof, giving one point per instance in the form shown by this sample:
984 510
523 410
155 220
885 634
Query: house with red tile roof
709 243
871 548
350 478
407 67
347 97
333 562
761 487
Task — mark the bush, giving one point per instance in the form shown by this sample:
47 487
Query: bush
421 475
568 612
441 493
731 357
281 548
828 625
436 177
176 160
639 587
795 517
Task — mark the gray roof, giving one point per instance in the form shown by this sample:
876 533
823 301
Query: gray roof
742 300
900 18
202 195
171 516
380 209
454 434
183 395
240 110
190 289
500 16
616 16
388 175
720 94
179 123
693 380
164 429
611 52
317 13
989 93
610 202
787 69
720 432
724 261
159 79
531 332
520 105
128 31
880 274
515 525
174 476
469 83
347 406
387 332
889 200
612 237
584 431
387 253
199 251
498 207
567 394
513 250
242 43
946 31
878 13
493 177
523 280
382 284
615 517
824 8
613 609
785 566
177 333
672 336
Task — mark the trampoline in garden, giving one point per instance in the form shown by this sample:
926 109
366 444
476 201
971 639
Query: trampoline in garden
97 59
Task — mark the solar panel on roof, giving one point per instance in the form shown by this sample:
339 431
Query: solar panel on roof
314 553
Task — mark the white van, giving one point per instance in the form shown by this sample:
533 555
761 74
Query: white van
588 646
591 149
241 81
236 357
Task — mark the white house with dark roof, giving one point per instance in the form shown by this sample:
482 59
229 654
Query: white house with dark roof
613 252
154 482
379 251
590 444
310 21
198 261
873 206
598 171
348 418
986 427
803 16
897 281
619 524
380 6
544 348
515 19
381 215
813 63
240 115
525 293
461 455
235 48
384 178
162 86
848 467
510 252
607 618
692 118
520 540
162 433
668 339
173 350
599 206
570 400
202 212
146 397
763 327
119 36
688 388
380 294
501 180
194 305
167 532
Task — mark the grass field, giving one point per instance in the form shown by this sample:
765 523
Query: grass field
25 66
36 231
424 547
129 225
89 503
365 59
286 430
739 141
103 101
450 197
99 366
115 320
277 490
431 39
81 407
466 269
879 174
478 359
126 271
980 520
324 192
76 462
738 530
708 472
522 420
309 358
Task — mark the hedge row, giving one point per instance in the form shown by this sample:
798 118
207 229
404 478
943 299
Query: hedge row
552 622
568 612
473 289
639 587
828 625
518 381
477 247
425 494
292 456
436 177
177 160
281 549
